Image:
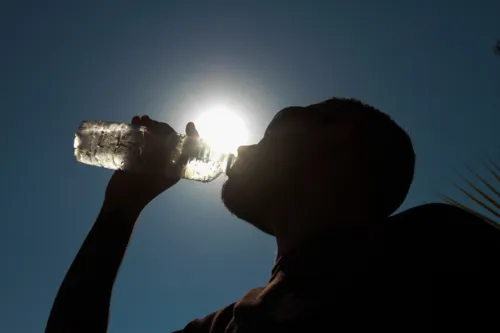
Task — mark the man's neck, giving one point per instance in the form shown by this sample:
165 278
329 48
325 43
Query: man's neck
292 234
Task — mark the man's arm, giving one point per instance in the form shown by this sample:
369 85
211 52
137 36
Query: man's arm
82 303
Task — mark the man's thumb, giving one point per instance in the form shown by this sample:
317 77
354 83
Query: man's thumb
191 130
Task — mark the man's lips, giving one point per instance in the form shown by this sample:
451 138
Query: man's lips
233 170
238 167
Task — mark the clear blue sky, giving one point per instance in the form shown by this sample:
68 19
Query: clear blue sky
427 63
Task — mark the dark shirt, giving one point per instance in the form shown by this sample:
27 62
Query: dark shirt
431 268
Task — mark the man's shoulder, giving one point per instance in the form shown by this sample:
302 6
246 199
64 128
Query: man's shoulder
437 219
444 235
222 319
214 322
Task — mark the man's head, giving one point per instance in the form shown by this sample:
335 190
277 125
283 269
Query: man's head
336 159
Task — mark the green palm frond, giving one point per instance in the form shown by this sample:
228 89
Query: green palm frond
483 202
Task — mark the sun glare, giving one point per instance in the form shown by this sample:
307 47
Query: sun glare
223 129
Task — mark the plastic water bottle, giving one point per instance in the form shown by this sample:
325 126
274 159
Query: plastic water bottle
121 146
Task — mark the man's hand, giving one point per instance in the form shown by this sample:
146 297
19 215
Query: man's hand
136 190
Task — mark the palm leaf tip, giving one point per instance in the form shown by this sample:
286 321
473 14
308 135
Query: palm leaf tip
488 220
488 205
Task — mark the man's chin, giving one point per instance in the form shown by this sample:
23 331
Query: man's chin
233 196
245 202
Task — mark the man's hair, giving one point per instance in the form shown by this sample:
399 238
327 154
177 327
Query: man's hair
387 149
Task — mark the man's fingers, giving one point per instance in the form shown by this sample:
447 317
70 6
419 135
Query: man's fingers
191 130
162 128
146 121
183 160
155 127
140 120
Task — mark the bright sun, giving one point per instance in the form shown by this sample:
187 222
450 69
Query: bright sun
223 129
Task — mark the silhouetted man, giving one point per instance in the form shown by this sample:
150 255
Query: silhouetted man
323 181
